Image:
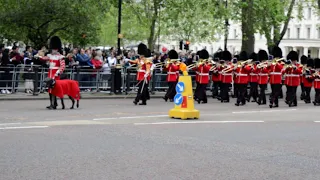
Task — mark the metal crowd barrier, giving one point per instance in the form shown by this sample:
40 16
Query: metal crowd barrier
114 80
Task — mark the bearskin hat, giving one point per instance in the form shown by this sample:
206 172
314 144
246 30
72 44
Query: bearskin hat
253 56
148 53
204 54
55 43
142 49
236 56
243 56
293 56
173 54
226 56
303 59
310 63
217 56
263 55
317 63
277 52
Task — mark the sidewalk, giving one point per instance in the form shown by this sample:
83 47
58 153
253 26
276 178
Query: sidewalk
85 95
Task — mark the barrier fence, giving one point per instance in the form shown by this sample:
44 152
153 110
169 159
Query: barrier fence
116 80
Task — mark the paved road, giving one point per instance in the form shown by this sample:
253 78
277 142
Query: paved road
113 139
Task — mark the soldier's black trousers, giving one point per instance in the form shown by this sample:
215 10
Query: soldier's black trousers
171 92
292 95
307 96
274 97
235 89
196 91
253 91
317 96
215 88
262 94
303 91
225 91
202 93
242 88
143 92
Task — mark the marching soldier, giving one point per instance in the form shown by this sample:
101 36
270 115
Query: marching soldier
263 73
243 56
275 69
216 77
56 65
307 80
303 61
203 77
172 75
226 76
292 81
241 78
316 83
253 78
143 74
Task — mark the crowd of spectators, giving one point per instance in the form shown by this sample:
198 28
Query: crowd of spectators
89 60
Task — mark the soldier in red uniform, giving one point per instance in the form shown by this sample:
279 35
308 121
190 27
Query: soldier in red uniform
172 75
303 61
243 56
203 77
226 76
253 78
56 65
307 80
292 81
143 74
241 78
316 83
263 73
275 69
216 77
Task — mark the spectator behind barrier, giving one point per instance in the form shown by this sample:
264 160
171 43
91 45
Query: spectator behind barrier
6 77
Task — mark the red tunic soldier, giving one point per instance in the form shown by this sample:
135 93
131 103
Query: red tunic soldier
253 78
243 56
275 69
203 77
263 76
303 61
241 78
316 83
216 77
226 76
172 75
292 81
307 80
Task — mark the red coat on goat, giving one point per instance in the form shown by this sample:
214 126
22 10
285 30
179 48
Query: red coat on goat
66 87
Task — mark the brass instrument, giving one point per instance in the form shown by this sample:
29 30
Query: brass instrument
275 61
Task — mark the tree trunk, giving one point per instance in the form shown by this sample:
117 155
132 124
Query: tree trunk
247 28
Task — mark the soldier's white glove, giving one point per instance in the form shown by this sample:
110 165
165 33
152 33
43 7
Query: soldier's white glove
57 73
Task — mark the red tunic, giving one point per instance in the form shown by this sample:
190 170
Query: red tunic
226 77
263 75
66 87
307 80
254 76
216 75
276 73
56 62
241 75
292 76
203 76
172 75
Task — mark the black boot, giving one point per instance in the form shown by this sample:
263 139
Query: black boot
143 103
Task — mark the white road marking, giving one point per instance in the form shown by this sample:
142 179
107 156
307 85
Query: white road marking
317 121
23 127
5 124
197 122
263 111
130 117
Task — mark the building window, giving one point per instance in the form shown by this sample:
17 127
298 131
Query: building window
288 33
235 34
298 33
309 13
308 33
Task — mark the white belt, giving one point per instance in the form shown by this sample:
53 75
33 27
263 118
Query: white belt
141 70
260 74
292 75
275 73
238 74
227 74
317 80
172 73
204 74
253 74
54 68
